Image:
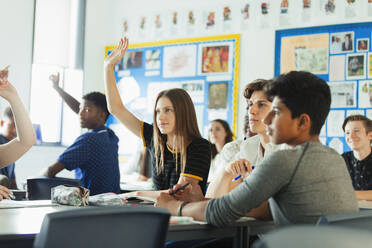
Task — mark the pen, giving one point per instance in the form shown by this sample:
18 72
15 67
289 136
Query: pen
180 188
239 176
11 196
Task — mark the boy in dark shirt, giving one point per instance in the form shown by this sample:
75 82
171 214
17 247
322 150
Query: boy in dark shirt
358 135
94 152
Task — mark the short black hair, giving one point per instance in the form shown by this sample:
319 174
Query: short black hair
303 92
366 122
99 100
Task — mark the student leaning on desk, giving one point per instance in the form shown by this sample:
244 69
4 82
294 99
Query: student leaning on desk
26 136
179 152
302 183
358 135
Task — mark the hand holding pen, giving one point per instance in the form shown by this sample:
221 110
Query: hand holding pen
239 168
240 175
179 189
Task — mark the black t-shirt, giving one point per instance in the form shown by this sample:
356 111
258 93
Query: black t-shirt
197 161
360 170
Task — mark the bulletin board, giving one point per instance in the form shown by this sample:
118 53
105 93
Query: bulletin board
342 56
206 67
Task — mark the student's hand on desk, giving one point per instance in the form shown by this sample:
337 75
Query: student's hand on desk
116 55
191 193
4 193
165 200
239 167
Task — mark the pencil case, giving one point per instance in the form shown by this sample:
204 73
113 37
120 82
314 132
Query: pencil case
68 195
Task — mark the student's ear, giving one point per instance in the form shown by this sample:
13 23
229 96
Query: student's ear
304 121
369 135
1 123
102 116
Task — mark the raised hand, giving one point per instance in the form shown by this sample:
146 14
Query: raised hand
4 74
6 89
116 55
55 79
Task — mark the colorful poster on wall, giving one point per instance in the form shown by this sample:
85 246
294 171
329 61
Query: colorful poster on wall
305 53
207 68
348 56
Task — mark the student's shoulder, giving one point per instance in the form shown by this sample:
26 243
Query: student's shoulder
200 144
99 133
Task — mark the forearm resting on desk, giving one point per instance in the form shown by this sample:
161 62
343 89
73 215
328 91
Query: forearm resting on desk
53 170
262 212
364 195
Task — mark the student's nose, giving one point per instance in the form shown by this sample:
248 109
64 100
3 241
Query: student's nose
252 110
160 116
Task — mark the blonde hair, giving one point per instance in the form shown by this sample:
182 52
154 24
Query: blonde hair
186 126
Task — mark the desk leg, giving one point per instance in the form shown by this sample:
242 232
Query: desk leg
241 239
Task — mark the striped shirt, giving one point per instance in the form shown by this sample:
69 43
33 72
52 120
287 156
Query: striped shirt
197 161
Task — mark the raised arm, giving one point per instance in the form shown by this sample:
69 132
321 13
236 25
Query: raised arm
14 149
115 105
69 100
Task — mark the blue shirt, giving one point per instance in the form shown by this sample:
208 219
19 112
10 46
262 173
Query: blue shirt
8 170
96 154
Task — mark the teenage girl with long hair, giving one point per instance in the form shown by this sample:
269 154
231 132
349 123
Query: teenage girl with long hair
180 155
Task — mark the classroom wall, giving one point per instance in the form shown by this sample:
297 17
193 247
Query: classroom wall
104 27
105 19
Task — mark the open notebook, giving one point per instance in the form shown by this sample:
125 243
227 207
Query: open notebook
132 196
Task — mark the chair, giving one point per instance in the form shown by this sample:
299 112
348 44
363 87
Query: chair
315 236
39 188
360 220
97 227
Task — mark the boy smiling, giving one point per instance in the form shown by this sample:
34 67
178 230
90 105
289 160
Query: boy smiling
358 135
302 183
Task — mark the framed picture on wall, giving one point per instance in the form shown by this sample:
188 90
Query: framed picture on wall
369 65
356 66
342 42
362 45
343 94
215 58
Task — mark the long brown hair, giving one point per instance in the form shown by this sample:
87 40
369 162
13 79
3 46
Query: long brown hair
229 135
186 126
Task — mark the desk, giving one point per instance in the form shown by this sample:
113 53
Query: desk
240 231
20 225
365 204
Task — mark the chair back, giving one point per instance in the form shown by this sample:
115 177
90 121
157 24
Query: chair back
39 188
359 220
315 236
97 227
